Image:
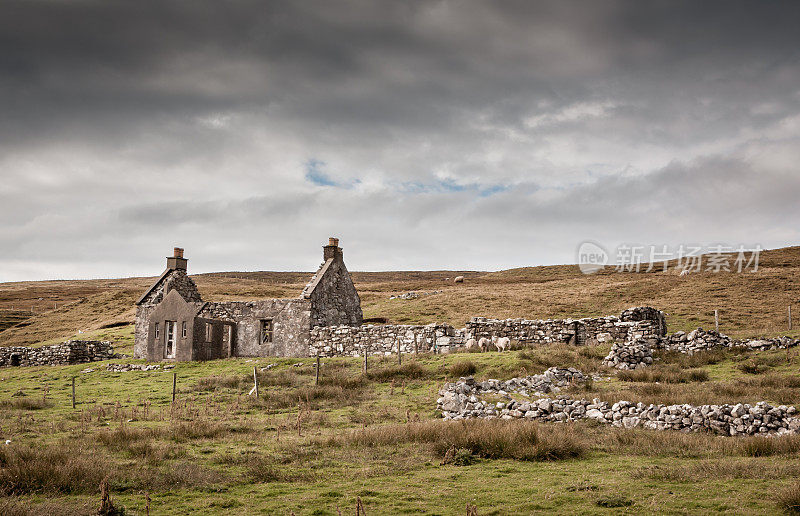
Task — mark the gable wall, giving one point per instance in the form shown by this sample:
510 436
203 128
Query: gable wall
334 299
173 279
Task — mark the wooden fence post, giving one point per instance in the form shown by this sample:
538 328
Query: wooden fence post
316 377
399 354
73 392
716 320
366 353
174 384
255 380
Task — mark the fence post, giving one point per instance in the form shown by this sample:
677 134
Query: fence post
255 380
366 353
316 377
716 320
790 317
73 392
399 354
174 384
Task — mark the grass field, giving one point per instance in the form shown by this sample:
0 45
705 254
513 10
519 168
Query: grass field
378 438
306 449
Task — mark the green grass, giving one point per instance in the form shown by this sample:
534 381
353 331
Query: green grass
378 438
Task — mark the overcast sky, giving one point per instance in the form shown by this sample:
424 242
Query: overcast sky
425 135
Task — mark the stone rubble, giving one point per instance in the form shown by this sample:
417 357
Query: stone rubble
630 355
121 368
459 400
415 295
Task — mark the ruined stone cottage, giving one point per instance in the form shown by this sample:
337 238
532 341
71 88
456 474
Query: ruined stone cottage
174 323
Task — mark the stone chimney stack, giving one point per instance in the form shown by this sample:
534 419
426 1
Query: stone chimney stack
332 250
177 261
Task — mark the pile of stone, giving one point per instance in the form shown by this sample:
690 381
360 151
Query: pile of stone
69 352
463 394
415 295
460 401
122 368
630 355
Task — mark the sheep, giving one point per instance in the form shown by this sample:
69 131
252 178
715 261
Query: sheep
458 279
483 343
470 343
684 272
501 343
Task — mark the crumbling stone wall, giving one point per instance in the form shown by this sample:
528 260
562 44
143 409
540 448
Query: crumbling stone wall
574 331
442 338
69 352
382 339
291 320
464 399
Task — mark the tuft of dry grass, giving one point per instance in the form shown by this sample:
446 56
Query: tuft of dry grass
409 370
59 468
26 404
462 368
491 439
664 374
788 500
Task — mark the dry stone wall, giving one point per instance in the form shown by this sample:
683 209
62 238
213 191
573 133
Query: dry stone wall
574 331
382 339
462 400
344 340
69 352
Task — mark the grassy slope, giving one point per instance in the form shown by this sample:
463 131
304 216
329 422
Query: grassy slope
750 304
314 473
219 471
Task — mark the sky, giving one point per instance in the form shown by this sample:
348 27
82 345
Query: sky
425 135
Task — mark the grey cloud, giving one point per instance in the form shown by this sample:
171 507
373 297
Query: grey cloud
127 126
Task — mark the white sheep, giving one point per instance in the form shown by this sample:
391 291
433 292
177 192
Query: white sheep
501 343
483 343
470 343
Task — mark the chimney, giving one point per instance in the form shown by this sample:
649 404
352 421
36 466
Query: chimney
332 250
177 261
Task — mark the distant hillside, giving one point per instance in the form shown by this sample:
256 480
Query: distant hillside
750 303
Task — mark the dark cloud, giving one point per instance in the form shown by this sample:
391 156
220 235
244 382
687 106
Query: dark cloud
479 134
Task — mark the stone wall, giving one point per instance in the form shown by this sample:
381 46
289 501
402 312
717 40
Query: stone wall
573 331
642 323
699 339
382 339
69 352
463 400
290 318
